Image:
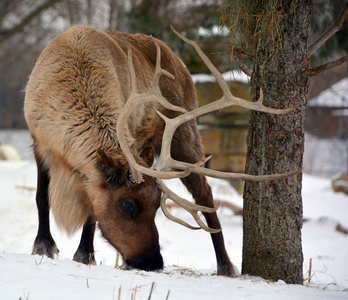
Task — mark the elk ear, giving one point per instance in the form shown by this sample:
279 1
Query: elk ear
148 155
104 163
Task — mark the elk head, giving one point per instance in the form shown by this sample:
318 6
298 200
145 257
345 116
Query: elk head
126 210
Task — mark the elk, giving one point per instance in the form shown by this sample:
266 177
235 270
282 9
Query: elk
112 115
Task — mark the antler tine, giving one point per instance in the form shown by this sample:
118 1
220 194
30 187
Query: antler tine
165 157
155 89
224 86
171 217
241 176
158 70
193 209
132 76
228 99
135 99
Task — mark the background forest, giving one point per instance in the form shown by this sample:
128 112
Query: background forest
26 27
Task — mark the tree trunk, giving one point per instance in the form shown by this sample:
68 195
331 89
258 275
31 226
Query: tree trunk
273 210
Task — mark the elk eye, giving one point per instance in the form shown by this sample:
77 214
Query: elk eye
129 207
108 179
116 180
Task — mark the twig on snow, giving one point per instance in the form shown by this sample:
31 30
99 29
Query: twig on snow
150 295
117 259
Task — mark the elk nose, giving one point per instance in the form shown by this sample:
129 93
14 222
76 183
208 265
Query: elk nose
151 261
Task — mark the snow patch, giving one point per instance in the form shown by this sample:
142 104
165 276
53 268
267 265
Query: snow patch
335 96
233 75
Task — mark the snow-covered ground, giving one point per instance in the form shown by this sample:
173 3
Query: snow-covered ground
188 255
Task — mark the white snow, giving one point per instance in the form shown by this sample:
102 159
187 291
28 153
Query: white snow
201 78
8 152
215 30
335 96
236 75
233 75
188 255
325 157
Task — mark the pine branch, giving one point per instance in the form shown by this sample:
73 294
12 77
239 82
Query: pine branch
242 66
315 71
330 32
5 34
240 52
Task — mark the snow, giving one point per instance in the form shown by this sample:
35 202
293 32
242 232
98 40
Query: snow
233 75
335 96
201 78
325 157
215 30
8 152
189 271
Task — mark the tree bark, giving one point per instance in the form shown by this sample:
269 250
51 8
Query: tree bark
272 212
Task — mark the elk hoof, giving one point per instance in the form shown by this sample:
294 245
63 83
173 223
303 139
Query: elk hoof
84 258
45 247
229 270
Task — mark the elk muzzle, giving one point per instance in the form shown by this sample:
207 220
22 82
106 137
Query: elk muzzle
150 261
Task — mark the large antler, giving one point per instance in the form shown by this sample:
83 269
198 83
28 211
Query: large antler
153 94
136 170
164 166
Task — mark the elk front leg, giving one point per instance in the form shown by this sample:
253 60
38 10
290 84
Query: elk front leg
85 251
44 243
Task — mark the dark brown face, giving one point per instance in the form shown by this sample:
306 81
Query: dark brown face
126 213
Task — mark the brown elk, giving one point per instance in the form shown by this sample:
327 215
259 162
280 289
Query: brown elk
100 108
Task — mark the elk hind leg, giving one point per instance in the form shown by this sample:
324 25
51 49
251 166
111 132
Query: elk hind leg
44 243
190 149
201 192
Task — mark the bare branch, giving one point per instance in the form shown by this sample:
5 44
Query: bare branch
5 34
241 53
236 209
317 70
242 66
330 32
